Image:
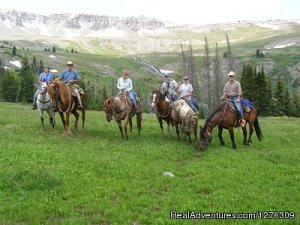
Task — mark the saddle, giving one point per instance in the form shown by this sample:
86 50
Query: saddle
79 89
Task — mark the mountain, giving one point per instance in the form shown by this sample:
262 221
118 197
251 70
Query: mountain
19 23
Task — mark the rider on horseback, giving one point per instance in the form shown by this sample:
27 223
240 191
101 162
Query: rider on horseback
71 77
186 91
170 88
46 76
125 85
233 91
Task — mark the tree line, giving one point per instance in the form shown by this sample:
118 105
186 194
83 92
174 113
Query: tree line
270 98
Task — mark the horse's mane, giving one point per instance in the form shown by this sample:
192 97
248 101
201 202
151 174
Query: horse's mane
160 95
219 109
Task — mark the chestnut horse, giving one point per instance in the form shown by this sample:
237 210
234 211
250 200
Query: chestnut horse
225 117
120 108
65 103
162 109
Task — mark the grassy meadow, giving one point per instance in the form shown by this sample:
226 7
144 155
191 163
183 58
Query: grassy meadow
95 177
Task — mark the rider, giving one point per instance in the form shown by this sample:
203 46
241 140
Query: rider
170 88
233 91
46 76
186 91
125 84
71 77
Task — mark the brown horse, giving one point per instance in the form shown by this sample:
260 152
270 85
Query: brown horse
65 103
162 109
120 108
225 117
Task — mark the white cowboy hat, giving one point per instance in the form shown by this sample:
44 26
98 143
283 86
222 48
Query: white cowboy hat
231 73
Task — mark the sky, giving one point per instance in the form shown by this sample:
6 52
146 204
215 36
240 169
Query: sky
173 11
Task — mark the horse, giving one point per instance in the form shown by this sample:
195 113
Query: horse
163 109
182 114
44 104
65 103
225 117
120 108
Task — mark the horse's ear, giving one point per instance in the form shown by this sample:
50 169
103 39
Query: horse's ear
108 101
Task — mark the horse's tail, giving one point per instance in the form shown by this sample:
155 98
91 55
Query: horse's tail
258 130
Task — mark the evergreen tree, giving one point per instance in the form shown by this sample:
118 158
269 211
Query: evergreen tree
1 69
279 97
9 87
41 68
27 80
34 65
263 95
296 105
53 49
287 103
247 80
14 51
104 93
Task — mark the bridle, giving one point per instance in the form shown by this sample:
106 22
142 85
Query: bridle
43 92
156 96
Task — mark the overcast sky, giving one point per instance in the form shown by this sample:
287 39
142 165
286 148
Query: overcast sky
175 11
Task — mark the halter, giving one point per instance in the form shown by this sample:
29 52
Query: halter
43 93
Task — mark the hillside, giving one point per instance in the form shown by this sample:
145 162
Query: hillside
105 45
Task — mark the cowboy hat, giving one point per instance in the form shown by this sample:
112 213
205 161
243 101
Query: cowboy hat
231 74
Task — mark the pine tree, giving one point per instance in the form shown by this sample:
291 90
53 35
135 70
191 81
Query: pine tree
287 103
41 68
296 105
53 49
27 80
9 87
247 80
279 97
34 65
1 69
14 51
262 95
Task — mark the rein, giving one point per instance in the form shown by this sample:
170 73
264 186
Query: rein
170 109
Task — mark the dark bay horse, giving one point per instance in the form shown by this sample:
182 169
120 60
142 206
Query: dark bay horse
65 103
120 108
225 117
162 109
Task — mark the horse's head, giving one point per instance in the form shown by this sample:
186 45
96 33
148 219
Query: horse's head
205 137
53 93
43 88
107 107
156 96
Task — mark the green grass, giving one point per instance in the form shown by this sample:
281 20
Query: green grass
94 177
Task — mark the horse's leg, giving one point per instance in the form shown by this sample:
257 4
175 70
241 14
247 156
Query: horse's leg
63 120
130 125
250 133
120 128
245 135
125 126
68 123
189 135
220 135
50 113
83 119
231 132
139 122
76 114
42 119
160 125
177 131
195 132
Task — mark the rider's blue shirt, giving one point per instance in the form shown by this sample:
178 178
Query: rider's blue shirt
45 77
68 75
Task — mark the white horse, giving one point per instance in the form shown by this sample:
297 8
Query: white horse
44 104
